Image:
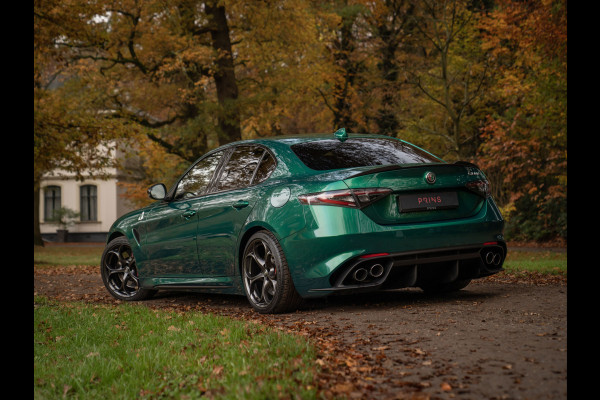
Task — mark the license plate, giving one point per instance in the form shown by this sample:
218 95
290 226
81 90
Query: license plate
427 201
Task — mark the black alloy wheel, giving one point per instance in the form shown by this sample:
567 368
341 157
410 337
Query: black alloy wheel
119 271
267 281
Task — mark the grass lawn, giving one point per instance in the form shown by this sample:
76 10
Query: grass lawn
67 255
543 261
130 351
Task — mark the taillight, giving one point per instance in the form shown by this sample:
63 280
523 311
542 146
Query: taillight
354 198
481 187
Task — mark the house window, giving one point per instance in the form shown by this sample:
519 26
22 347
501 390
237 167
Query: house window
88 203
51 201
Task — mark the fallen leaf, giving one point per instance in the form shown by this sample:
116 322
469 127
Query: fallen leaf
350 363
217 370
446 386
381 348
343 387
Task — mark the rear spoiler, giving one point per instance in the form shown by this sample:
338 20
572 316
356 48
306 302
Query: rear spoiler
386 168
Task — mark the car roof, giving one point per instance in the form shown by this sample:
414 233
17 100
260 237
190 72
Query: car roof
307 137
281 144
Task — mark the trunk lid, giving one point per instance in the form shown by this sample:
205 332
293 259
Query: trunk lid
413 198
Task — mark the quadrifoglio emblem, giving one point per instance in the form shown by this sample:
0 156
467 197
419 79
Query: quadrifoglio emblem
430 177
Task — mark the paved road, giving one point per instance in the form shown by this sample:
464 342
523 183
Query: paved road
488 341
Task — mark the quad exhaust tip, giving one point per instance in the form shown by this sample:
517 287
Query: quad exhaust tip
376 270
493 258
360 274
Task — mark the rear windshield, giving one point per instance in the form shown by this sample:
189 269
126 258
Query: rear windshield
360 152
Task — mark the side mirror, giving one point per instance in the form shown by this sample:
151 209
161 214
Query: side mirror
157 192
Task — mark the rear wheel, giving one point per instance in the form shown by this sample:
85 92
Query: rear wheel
445 287
267 281
119 271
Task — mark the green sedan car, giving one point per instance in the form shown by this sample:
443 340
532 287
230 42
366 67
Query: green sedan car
284 218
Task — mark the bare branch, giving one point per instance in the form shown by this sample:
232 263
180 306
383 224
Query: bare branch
326 102
422 88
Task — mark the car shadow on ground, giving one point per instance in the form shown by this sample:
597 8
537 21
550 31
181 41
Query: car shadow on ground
407 297
399 298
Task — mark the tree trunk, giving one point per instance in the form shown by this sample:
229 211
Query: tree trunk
395 28
225 81
62 235
342 109
386 117
37 234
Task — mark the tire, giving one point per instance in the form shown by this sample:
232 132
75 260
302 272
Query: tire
266 277
454 286
119 271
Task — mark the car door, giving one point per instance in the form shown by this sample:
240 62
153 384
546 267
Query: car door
171 226
225 209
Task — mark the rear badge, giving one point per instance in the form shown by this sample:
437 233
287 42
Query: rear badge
430 177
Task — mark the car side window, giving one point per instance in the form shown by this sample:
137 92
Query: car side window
196 181
266 167
240 168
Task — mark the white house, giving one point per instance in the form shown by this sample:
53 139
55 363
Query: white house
98 202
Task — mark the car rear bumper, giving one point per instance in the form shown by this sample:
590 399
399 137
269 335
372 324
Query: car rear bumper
337 242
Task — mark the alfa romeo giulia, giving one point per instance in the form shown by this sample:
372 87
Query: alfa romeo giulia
285 218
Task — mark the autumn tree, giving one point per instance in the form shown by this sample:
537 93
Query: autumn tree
525 148
170 79
175 70
391 26
344 37
162 65
449 76
280 65
69 134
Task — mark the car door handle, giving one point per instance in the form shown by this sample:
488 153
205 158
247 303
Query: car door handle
240 204
188 214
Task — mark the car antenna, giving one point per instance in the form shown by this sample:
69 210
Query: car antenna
341 134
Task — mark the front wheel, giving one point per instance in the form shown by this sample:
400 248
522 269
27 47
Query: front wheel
267 281
119 271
